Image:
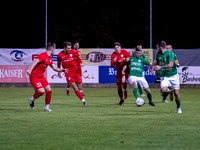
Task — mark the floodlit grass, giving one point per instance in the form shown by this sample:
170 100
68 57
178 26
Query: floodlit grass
102 125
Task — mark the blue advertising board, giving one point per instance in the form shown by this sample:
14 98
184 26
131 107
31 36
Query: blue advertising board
107 74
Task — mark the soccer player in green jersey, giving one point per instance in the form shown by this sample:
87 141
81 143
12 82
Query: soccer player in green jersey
166 69
141 56
169 47
136 64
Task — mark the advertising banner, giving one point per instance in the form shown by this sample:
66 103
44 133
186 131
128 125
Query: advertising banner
189 74
102 57
13 74
18 56
90 75
107 74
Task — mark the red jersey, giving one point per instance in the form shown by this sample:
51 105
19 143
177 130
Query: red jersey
79 70
121 58
68 60
44 62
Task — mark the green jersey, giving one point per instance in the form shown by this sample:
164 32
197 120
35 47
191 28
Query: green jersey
163 59
137 66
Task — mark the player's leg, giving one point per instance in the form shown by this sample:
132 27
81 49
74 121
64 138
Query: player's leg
165 83
78 93
79 83
176 86
124 84
133 81
140 90
142 81
48 97
120 93
39 90
68 88
177 100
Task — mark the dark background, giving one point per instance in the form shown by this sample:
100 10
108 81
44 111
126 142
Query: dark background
99 23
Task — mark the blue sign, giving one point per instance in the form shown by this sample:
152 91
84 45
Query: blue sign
148 76
107 74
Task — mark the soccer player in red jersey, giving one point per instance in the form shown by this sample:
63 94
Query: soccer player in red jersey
36 72
118 59
79 69
67 59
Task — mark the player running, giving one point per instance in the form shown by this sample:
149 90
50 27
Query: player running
136 64
169 47
67 59
166 69
36 72
118 59
79 69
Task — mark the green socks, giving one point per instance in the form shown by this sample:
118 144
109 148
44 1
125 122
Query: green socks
164 95
178 103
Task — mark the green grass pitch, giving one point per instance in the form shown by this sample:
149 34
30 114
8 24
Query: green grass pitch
102 125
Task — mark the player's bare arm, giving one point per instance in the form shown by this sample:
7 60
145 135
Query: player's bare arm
33 64
55 68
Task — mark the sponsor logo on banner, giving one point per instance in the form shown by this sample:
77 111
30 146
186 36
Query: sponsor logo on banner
107 74
90 75
95 57
148 76
17 55
13 74
189 75
35 56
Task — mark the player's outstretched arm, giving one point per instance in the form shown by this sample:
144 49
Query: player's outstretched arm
33 64
55 68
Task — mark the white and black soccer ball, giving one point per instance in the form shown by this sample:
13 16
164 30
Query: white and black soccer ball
139 102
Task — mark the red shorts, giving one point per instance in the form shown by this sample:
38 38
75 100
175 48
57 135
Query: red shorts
72 77
38 82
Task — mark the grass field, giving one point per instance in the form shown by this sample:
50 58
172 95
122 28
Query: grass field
102 125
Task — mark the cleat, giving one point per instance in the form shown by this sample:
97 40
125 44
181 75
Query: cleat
121 102
142 95
47 109
125 94
152 104
179 111
171 96
84 102
67 92
165 101
31 103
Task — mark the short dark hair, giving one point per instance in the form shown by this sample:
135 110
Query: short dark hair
138 47
50 46
117 44
162 44
65 44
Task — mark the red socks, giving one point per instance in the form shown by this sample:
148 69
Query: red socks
79 94
48 97
37 94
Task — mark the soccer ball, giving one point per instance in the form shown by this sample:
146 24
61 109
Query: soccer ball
139 102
